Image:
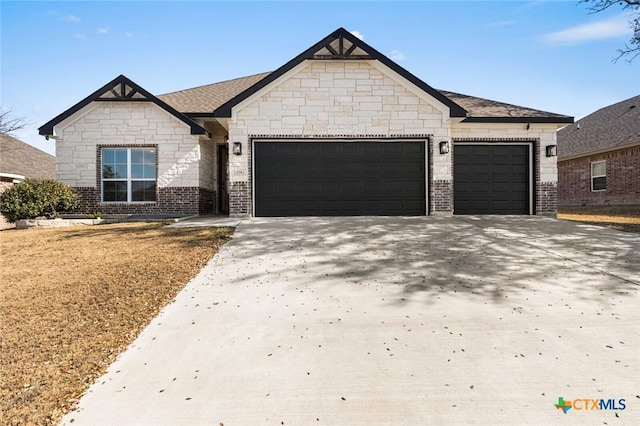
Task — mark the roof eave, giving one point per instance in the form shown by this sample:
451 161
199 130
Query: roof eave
598 151
532 120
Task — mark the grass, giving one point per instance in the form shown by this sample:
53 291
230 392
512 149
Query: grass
72 299
622 218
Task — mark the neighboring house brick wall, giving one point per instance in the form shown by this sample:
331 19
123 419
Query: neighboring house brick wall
183 188
623 179
328 99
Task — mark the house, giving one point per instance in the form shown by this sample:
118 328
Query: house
340 129
599 157
19 161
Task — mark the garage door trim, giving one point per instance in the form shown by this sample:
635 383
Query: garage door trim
529 144
425 140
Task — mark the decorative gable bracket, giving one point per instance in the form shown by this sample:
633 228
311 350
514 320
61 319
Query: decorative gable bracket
341 48
121 91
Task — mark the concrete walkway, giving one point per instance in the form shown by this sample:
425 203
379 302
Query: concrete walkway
390 321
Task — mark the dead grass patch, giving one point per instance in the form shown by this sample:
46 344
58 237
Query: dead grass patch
71 299
622 218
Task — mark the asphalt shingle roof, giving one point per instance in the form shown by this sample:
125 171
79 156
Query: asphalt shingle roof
19 158
609 128
479 107
205 99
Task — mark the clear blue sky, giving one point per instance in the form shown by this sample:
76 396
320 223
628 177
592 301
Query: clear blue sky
549 55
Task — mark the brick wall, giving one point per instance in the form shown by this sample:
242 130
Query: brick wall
623 179
546 198
239 199
175 201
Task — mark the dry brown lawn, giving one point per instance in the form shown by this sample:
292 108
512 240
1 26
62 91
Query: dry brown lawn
622 218
71 299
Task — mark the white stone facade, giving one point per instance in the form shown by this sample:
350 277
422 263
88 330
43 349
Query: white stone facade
180 155
332 99
544 133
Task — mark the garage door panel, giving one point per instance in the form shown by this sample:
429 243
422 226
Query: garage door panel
342 178
491 179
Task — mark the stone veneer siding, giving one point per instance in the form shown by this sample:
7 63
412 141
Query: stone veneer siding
332 99
184 162
623 179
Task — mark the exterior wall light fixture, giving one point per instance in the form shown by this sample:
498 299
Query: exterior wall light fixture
237 148
444 147
552 150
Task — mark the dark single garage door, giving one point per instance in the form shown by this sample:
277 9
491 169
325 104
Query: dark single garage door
339 178
491 179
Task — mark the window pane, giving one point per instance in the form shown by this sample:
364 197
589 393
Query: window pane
143 164
143 191
108 172
114 163
143 171
114 191
150 171
121 156
136 156
150 156
599 169
137 170
599 183
121 171
108 156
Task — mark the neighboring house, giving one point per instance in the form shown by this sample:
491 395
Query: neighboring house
18 161
599 157
338 130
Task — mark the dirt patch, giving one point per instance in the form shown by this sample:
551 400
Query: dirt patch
621 218
72 299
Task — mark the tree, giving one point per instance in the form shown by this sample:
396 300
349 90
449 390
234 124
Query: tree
632 48
8 124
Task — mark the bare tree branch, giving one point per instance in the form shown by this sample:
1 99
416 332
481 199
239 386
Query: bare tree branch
8 124
632 48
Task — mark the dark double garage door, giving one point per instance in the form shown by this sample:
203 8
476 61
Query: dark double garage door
338 178
334 178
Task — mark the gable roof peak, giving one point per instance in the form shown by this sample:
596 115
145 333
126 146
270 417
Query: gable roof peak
120 88
333 47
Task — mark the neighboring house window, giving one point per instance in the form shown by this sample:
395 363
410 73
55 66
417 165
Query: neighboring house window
599 176
128 175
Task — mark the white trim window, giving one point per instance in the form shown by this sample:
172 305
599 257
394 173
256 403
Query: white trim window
599 176
128 175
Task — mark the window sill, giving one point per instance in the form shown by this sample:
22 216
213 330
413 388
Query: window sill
125 203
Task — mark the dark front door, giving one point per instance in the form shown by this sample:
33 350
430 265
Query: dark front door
330 178
491 179
223 169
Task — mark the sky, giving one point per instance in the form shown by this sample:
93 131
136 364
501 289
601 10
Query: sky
549 55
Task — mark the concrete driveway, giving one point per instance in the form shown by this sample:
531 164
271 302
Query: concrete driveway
389 321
